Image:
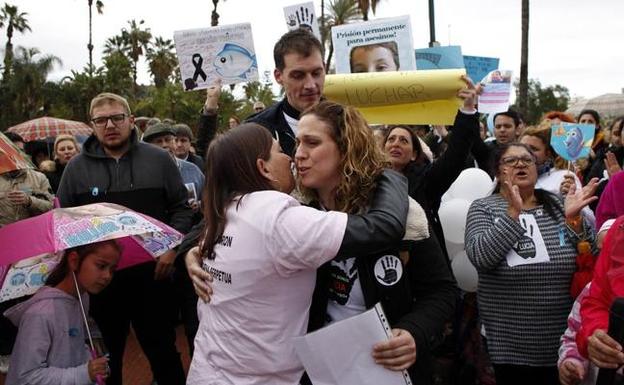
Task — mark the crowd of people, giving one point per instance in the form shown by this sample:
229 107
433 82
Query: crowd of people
269 254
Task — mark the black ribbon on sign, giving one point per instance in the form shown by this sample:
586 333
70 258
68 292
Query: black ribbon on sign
191 83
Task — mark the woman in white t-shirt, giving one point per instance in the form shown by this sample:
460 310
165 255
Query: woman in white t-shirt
263 248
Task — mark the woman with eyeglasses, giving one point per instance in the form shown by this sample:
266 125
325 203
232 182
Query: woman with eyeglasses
523 240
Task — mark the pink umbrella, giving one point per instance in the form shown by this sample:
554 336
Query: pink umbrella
31 247
47 127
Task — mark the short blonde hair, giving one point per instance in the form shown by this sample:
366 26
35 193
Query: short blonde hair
109 98
64 137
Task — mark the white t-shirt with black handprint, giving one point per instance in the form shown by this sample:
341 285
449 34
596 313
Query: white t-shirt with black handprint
346 298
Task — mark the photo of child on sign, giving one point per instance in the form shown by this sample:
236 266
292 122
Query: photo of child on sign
207 54
374 46
380 57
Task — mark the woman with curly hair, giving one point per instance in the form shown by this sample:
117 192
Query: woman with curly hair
338 162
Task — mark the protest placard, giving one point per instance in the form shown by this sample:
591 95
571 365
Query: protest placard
224 52
477 67
374 46
439 58
496 92
572 141
403 97
302 16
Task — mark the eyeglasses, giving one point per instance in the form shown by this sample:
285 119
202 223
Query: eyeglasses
102 121
515 160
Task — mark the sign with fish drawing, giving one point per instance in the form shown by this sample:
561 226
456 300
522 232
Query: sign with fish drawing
572 141
374 46
302 16
207 54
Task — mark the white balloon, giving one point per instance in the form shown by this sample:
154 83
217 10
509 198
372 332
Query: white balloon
465 273
453 220
471 184
453 248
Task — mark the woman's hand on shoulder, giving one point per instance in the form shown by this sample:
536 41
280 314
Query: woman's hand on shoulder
398 353
201 279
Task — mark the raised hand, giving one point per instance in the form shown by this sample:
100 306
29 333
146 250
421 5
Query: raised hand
469 94
611 164
513 197
576 200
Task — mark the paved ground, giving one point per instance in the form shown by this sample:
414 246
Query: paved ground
136 367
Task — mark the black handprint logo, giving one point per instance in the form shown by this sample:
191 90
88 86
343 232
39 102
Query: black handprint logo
526 246
387 270
305 18
292 21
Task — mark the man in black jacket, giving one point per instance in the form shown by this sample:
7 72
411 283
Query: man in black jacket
115 167
299 69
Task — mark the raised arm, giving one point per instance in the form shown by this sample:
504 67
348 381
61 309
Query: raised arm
207 127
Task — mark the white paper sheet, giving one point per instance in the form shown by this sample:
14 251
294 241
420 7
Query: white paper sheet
341 353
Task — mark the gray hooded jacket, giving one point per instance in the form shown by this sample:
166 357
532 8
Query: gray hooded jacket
50 346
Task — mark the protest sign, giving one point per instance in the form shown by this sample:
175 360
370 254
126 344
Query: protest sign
496 92
439 58
403 97
207 54
374 46
477 67
572 141
302 16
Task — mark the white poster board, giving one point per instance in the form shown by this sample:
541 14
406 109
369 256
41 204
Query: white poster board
207 54
385 45
347 348
302 16
496 93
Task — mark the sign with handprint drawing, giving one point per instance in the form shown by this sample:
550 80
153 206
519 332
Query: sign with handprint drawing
530 248
302 16
388 270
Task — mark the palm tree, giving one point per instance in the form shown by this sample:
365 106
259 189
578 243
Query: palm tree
14 21
365 6
162 61
98 6
340 12
29 76
524 60
138 40
116 44
215 16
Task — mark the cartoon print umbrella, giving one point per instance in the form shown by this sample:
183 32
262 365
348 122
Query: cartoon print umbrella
31 247
11 157
46 127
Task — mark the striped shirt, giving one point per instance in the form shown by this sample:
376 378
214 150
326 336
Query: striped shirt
523 308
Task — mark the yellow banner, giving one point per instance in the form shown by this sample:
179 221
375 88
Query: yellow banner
402 97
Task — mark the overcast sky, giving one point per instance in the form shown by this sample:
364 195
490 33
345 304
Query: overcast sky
575 43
